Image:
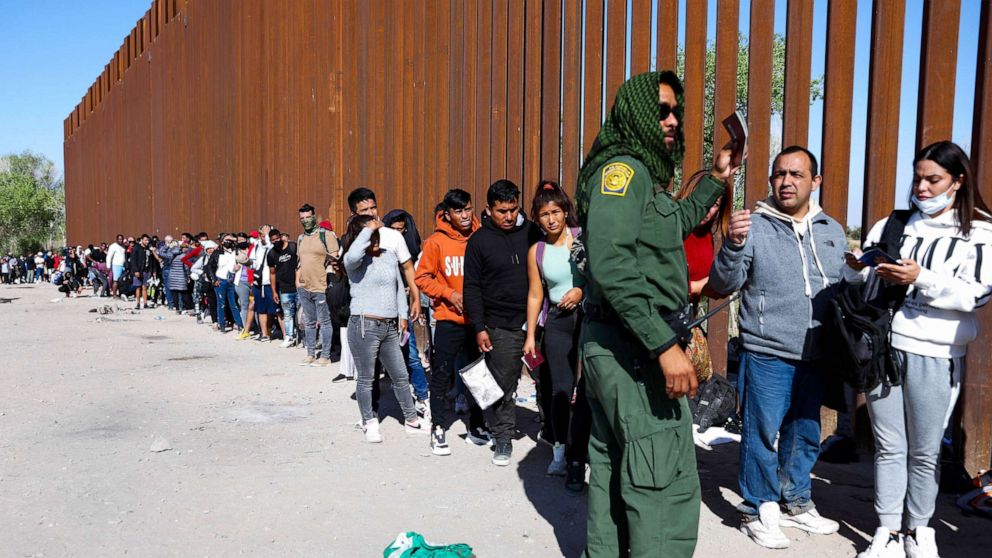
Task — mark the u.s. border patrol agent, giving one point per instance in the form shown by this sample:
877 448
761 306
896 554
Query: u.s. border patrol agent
643 490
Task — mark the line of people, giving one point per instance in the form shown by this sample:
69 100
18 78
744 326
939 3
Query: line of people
602 290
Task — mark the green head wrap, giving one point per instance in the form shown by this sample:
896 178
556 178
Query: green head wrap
633 129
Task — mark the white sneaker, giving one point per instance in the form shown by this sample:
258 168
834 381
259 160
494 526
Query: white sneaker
372 434
921 545
439 442
418 426
287 343
423 408
884 545
765 530
810 521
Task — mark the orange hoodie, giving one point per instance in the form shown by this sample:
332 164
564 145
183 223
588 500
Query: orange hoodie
441 270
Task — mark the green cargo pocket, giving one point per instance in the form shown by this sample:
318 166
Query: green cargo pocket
653 460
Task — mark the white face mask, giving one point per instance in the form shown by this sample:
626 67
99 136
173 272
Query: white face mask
935 204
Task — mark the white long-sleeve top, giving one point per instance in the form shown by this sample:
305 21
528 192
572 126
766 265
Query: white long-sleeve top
116 255
938 317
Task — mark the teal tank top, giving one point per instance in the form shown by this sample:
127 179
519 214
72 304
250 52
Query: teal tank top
559 271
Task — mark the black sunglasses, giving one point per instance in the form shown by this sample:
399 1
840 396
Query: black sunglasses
665 110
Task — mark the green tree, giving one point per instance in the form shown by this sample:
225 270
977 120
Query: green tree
32 202
778 92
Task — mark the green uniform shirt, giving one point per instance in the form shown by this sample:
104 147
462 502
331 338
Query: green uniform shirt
634 235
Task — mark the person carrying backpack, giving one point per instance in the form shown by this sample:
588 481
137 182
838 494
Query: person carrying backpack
315 248
945 268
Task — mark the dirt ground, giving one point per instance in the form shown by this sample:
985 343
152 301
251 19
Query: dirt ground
265 459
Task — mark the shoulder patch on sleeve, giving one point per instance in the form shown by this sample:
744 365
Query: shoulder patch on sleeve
616 179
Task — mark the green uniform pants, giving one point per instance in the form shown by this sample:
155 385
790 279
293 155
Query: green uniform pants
643 487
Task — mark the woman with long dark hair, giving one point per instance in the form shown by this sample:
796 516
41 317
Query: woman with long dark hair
378 314
403 223
553 301
946 269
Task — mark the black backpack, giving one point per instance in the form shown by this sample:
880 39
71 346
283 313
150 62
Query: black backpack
715 403
859 322
338 296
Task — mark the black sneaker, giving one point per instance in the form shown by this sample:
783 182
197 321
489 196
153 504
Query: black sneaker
501 457
340 378
575 477
439 442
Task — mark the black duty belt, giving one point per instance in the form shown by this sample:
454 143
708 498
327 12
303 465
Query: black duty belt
681 321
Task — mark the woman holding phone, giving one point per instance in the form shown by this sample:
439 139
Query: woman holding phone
948 277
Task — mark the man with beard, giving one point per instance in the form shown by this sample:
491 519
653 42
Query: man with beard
643 490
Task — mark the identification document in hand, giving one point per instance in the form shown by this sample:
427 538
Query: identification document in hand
875 256
533 361
736 126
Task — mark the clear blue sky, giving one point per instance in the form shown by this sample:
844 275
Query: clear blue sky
51 51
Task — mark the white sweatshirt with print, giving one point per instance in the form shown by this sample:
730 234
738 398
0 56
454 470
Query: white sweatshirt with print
938 317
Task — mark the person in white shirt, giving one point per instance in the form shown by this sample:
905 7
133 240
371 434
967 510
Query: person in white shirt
220 270
946 265
116 257
265 304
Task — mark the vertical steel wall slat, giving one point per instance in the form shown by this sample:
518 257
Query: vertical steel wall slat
838 92
759 99
938 70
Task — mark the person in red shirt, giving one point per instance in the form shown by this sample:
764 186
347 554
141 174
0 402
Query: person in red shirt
699 244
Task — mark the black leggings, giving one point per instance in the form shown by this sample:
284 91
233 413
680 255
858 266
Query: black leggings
566 423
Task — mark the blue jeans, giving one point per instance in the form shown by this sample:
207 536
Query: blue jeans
288 301
418 376
778 397
225 298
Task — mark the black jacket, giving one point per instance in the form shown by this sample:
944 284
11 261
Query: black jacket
139 259
496 275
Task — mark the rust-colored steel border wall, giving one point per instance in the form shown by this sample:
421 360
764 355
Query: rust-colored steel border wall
226 115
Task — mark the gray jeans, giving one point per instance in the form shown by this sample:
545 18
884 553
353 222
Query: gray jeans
315 311
243 289
369 340
908 422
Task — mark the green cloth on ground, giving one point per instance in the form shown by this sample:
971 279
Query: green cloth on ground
413 545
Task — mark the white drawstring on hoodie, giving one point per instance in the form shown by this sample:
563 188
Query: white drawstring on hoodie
799 227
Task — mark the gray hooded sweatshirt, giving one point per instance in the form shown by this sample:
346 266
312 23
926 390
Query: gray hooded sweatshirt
786 272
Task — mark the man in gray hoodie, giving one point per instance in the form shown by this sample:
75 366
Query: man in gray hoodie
785 258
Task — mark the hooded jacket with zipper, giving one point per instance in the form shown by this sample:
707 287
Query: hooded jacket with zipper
786 271
496 274
441 271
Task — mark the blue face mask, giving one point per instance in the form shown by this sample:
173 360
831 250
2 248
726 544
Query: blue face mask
935 204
